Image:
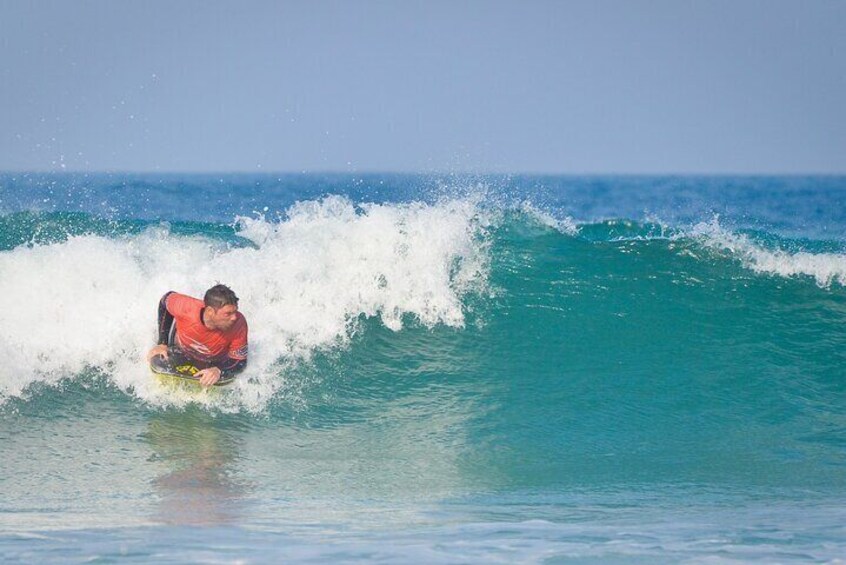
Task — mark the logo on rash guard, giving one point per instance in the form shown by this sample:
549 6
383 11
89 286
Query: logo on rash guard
241 352
199 347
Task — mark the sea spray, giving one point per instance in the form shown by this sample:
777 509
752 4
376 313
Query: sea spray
306 281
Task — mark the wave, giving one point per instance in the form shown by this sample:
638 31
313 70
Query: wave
82 292
825 268
305 281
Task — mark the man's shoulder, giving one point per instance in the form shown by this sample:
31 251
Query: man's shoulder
183 299
182 303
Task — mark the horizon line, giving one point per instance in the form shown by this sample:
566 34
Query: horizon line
270 172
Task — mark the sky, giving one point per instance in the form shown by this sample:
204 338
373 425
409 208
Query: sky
642 87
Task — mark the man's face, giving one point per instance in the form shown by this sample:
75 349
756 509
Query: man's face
224 317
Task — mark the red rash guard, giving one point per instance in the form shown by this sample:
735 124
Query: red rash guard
202 344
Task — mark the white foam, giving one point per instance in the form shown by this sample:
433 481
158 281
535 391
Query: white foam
825 268
565 225
91 301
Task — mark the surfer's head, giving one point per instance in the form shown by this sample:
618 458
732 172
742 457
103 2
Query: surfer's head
221 307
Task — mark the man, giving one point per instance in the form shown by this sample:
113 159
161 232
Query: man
210 334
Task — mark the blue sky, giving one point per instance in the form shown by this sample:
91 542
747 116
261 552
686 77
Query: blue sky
547 87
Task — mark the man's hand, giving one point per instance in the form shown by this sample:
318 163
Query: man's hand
157 350
208 376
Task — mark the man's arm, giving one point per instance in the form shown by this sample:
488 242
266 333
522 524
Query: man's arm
165 319
237 358
232 367
229 368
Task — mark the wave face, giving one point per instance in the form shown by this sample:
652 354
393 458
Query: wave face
443 342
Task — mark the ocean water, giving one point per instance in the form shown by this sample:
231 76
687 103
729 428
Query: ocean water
444 369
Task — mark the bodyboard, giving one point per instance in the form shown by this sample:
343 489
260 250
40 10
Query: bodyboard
182 374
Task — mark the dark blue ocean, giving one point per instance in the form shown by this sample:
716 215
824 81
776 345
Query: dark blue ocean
443 369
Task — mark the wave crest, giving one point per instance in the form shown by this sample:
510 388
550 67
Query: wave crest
825 268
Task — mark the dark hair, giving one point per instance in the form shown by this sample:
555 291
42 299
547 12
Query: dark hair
219 296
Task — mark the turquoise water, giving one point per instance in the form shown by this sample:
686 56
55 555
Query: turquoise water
501 369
